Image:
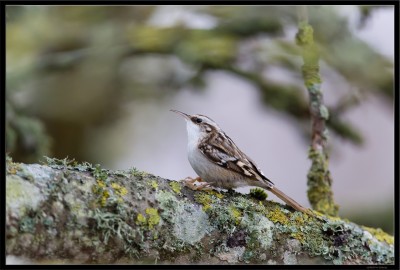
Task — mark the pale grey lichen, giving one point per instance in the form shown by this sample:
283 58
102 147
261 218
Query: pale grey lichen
289 257
315 88
41 174
190 223
293 245
259 227
17 260
21 195
323 110
168 203
78 208
231 255
383 250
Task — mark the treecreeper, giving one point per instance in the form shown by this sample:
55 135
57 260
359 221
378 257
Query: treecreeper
220 163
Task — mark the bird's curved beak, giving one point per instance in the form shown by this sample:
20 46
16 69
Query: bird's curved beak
186 116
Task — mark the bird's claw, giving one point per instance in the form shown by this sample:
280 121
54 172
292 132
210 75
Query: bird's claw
190 183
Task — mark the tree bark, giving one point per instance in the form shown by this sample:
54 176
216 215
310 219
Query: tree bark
64 212
319 182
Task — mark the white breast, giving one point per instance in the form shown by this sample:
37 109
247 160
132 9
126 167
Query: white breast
210 172
206 169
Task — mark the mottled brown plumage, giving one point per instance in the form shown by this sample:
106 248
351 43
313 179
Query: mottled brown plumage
220 163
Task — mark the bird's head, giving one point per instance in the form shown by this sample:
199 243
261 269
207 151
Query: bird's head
198 125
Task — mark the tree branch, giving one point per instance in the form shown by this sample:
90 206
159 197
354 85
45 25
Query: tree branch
78 213
319 182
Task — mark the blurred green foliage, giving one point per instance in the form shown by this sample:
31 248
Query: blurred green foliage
69 68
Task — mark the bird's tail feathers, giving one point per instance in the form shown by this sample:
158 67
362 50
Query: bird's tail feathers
288 200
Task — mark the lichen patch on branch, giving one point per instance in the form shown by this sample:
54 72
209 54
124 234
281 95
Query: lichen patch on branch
137 223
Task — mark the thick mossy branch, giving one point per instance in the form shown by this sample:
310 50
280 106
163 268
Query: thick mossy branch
79 213
319 182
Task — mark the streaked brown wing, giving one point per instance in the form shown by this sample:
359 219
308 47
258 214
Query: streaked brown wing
225 153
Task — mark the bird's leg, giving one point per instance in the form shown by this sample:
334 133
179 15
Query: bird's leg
192 180
204 186
189 182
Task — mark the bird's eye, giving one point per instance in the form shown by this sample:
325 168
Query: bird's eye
198 120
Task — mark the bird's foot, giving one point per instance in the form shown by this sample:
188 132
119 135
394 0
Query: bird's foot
190 183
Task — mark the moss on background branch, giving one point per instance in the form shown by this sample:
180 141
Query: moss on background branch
319 182
65 212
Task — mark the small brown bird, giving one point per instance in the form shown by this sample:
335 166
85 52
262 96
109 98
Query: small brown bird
220 163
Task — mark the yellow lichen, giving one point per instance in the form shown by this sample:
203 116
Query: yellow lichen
216 194
300 218
140 219
237 215
12 170
154 184
153 217
121 191
176 187
380 235
12 167
299 236
204 199
277 215
104 197
100 183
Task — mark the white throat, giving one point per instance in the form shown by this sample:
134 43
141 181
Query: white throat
194 133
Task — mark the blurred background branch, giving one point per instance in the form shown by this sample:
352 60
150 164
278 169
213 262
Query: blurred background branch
319 177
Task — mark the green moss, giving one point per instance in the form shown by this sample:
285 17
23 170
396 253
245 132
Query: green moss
176 187
153 217
258 193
